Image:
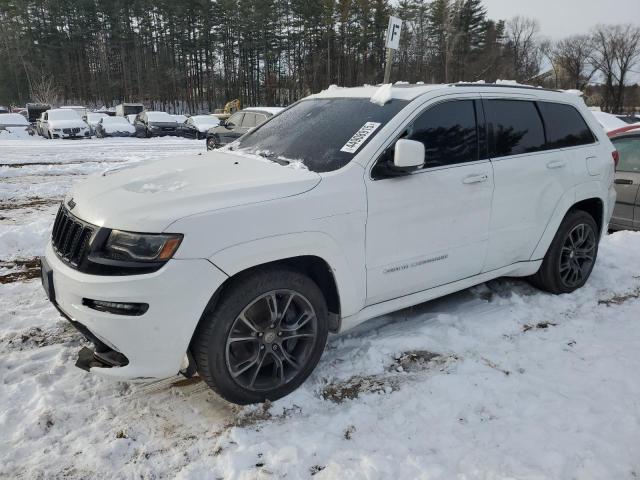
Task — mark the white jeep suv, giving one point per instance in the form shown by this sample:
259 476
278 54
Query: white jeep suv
350 204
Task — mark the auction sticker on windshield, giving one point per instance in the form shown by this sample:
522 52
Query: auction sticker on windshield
354 143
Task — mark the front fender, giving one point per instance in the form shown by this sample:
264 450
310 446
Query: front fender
235 259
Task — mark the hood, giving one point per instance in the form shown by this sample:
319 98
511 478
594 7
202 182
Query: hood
118 128
71 123
150 197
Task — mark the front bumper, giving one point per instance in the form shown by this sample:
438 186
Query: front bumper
153 343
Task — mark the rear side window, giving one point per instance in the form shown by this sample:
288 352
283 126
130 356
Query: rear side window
449 133
515 127
629 150
564 126
249 120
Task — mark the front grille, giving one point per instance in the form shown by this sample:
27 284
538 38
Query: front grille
70 237
71 130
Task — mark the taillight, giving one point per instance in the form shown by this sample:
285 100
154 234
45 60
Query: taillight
616 156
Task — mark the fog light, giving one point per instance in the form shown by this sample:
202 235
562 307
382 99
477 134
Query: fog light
117 308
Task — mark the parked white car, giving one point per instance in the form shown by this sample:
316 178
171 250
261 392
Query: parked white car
14 125
350 204
93 119
63 123
114 127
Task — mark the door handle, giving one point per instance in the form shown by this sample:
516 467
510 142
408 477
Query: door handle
556 164
623 181
474 179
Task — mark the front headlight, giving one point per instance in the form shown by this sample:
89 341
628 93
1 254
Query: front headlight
57 129
141 247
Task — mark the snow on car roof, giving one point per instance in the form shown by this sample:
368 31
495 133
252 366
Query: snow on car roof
382 93
12 119
271 110
160 117
608 121
402 91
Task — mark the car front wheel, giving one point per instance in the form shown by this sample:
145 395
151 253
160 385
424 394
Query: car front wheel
571 256
264 337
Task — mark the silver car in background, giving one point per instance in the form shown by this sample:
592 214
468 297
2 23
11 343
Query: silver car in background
626 214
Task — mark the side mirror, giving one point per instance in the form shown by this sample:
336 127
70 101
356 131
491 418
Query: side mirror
223 122
408 155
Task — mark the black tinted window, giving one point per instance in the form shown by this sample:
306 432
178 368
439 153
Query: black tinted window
448 132
629 150
564 126
515 127
322 133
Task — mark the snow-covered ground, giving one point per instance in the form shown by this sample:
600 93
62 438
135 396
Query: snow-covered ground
496 382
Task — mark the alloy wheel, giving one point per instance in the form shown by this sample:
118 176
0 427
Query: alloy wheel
577 255
271 340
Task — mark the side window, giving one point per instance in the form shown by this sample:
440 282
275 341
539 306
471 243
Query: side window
629 150
260 119
515 127
235 119
449 133
249 120
564 126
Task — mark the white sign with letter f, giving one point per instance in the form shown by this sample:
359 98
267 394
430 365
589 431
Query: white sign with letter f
393 33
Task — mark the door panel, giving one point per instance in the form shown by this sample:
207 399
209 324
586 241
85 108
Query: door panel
431 227
626 185
529 181
426 229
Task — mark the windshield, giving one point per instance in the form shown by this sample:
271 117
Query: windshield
160 117
95 117
205 120
63 115
324 134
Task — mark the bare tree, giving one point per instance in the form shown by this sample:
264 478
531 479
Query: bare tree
571 60
522 42
45 90
616 50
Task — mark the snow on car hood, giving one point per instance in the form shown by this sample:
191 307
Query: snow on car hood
118 127
149 197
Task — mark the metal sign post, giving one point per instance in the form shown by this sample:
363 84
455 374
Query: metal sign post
393 43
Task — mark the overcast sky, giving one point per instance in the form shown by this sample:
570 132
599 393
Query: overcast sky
559 18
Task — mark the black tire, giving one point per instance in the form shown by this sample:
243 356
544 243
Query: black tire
213 348
211 143
554 275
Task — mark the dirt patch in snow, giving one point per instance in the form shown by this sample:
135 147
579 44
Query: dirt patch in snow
619 299
538 326
36 337
19 270
355 386
417 360
412 361
33 202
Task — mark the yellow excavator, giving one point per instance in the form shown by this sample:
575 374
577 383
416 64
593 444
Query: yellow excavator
229 109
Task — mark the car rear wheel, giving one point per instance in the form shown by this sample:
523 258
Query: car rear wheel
211 143
571 256
264 337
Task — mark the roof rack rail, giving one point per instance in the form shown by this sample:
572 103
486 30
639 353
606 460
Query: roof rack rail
503 85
